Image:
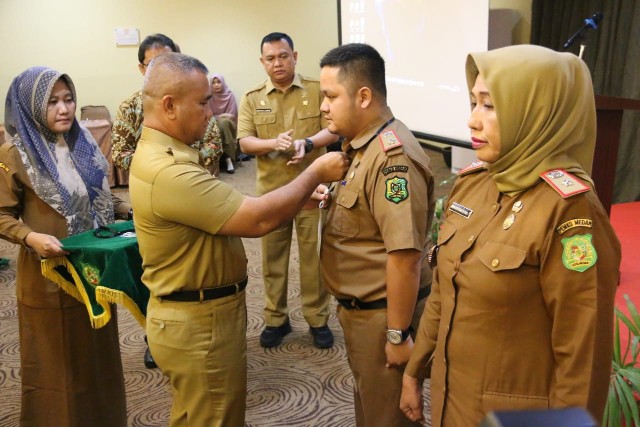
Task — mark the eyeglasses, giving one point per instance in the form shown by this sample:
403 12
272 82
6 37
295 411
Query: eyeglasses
145 65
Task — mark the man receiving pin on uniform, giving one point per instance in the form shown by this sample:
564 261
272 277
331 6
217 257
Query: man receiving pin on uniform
376 236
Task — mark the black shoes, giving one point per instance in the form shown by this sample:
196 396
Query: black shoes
322 336
149 363
272 336
245 157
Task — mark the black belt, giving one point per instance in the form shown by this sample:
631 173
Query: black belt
206 294
356 304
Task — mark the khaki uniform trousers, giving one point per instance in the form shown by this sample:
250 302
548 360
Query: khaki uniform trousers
275 268
377 389
228 129
202 348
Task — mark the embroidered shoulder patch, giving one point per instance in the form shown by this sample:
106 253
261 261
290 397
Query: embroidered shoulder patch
573 223
389 140
396 168
5 167
397 189
578 253
475 166
564 183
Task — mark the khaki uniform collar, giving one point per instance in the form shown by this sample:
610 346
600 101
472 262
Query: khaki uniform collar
297 81
164 141
370 130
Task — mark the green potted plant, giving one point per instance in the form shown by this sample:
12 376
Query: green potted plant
624 385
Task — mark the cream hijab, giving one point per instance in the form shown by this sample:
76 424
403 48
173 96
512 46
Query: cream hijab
546 113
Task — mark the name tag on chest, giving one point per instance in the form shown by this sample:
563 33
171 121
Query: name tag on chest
460 210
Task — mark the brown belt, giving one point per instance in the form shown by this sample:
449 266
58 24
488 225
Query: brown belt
356 304
206 294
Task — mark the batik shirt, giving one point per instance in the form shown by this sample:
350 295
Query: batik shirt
128 126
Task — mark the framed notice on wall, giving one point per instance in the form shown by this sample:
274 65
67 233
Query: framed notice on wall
127 37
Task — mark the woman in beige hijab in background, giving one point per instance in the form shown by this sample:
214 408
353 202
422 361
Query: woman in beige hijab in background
521 311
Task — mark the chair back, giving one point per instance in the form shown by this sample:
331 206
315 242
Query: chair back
94 112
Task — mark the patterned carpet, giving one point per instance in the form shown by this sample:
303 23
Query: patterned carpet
294 384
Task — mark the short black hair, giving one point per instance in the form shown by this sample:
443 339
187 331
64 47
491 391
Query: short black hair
358 63
276 37
153 39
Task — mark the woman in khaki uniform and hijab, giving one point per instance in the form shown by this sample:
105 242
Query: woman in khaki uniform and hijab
53 184
521 311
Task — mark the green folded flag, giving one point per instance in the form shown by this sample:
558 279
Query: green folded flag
103 267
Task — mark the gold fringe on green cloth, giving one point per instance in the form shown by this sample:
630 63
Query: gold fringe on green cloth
104 296
109 295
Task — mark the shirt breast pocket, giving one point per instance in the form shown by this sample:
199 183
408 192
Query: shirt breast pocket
308 121
445 233
500 257
264 124
345 218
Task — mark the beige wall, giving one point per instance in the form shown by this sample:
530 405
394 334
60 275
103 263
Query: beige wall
77 37
522 30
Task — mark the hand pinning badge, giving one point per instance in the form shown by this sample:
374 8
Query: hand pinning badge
517 207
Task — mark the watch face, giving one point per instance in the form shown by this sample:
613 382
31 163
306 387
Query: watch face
394 337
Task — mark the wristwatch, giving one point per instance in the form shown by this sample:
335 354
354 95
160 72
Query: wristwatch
308 145
397 336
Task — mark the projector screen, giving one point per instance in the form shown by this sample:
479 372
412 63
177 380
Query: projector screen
425 45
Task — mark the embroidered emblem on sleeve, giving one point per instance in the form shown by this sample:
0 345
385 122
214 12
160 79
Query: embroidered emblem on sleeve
397 189
578 253
573 223
5 167
396 168
389 140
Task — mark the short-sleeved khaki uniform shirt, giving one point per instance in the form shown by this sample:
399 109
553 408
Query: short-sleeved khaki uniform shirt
178 209
385 203
265 112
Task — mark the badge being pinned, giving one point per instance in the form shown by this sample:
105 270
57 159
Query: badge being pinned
578 253
397 189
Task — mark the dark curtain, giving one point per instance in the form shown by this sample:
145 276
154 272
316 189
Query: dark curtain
613 56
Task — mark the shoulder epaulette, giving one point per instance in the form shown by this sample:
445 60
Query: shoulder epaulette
473 167
180 157
257 88
389 140
308 79
565 184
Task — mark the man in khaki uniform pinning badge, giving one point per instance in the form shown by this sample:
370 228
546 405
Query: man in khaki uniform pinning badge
376 236
189 225
280 122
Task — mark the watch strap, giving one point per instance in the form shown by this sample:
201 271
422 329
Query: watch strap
308 145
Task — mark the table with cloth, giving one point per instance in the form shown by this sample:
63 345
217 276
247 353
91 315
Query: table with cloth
102 270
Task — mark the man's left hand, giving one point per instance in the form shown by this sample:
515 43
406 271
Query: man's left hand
398 354
298 148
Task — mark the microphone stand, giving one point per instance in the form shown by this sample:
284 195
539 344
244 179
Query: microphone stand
589 23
